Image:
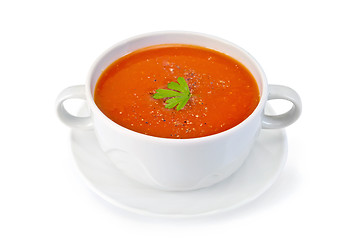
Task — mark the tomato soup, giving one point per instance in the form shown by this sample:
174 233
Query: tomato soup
223 92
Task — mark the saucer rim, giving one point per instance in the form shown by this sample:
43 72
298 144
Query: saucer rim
148 212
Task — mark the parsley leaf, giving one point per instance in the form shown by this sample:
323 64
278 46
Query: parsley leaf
179 97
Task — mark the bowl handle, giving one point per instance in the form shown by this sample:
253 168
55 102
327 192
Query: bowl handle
70 120
285 119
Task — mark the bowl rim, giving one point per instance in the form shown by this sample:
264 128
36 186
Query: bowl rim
140 136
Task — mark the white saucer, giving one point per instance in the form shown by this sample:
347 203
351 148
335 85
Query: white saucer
257 174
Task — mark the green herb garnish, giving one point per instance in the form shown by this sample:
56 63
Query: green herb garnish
179 97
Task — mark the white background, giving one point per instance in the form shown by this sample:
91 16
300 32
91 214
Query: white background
311 46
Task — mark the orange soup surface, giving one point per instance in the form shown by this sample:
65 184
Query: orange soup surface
223 91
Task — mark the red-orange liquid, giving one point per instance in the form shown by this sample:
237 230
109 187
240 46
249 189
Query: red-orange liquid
224 92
